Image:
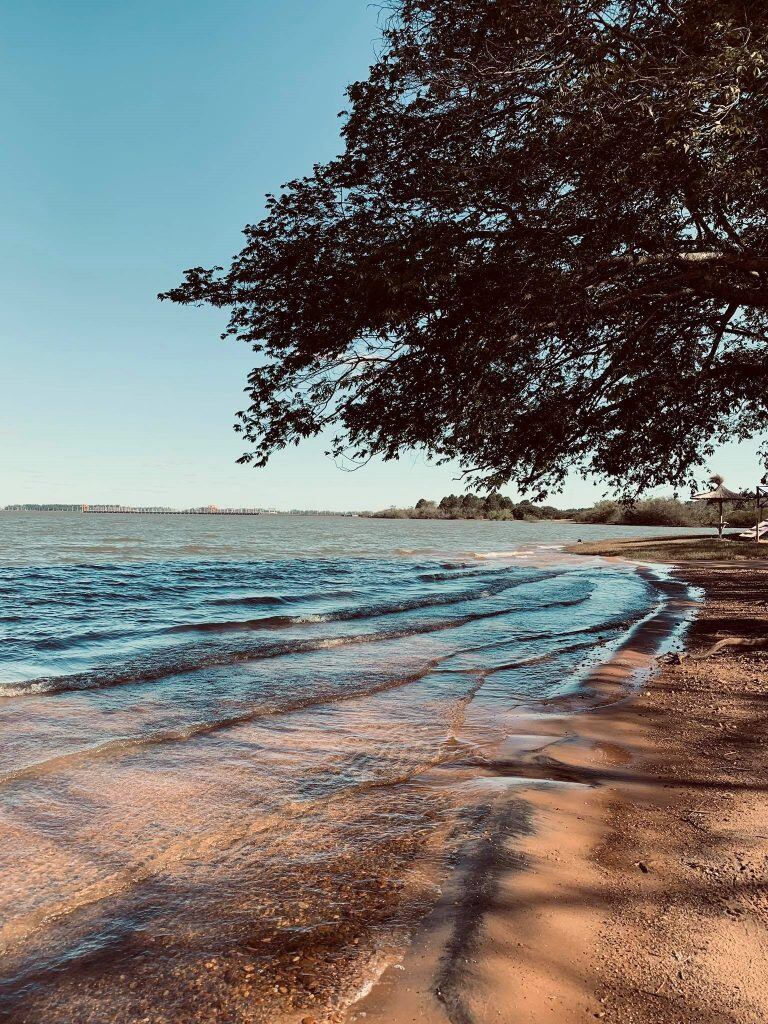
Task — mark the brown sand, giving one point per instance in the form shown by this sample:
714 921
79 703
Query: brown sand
636 890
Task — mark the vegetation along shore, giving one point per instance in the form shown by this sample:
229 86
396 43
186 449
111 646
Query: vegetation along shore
645 512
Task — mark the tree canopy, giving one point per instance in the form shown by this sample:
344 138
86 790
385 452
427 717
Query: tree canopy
543 248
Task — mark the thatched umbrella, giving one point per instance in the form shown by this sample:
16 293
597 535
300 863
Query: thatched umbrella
719 495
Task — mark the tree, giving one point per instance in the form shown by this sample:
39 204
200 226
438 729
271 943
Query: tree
525 510
493 503
606 511
543 248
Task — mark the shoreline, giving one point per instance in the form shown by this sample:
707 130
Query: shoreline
501 906
585 911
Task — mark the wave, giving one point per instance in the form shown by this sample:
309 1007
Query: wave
147 671
624 622
500 554
534 659
286 705
267 622
126 744
371 611
473 572
61 643
266 600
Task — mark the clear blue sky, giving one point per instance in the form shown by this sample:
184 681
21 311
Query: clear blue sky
138 139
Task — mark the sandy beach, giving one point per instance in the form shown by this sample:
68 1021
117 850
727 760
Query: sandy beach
621 873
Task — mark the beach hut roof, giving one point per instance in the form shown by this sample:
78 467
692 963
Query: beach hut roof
720 493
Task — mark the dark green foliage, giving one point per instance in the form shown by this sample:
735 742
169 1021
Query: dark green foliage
664 512
471 506
544 247
648 512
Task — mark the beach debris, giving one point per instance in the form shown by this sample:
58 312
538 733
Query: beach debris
643 866
731 641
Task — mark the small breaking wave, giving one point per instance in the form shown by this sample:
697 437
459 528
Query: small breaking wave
148 671
268 600
500 554
350 614
274 706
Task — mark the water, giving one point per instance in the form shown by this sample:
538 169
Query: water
226 745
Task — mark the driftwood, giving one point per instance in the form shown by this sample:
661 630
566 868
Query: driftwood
730 641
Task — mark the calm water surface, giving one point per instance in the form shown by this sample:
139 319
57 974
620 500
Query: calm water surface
219 740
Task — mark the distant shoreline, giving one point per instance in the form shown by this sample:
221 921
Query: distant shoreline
146 511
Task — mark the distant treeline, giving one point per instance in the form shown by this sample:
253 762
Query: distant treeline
648 512
472 506
664 512
42 508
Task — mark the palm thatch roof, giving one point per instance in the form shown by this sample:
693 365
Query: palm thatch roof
720 493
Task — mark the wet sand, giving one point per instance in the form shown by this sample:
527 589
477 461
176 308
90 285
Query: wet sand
627 884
